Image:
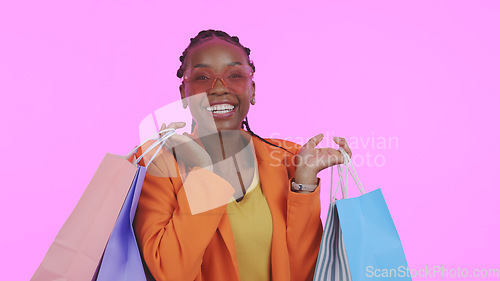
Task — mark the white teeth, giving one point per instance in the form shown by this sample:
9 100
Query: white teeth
220 108
222 111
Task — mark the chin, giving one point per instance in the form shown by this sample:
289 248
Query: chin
227 125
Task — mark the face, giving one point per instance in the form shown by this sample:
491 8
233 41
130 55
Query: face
211 103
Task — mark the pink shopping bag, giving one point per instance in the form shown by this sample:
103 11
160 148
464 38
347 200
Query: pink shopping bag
78 247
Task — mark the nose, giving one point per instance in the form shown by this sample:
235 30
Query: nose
218 86
217 79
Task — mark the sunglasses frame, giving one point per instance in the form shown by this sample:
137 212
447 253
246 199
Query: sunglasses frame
185 77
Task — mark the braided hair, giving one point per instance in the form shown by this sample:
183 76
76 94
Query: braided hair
209 34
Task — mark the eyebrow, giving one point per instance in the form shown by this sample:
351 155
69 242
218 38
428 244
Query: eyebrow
207 65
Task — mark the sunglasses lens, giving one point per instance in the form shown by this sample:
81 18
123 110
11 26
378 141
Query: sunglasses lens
199 79
235 78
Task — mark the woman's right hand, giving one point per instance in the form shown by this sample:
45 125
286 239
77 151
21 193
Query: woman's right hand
185 149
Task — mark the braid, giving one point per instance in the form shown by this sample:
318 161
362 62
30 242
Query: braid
208 34
193 124
245 122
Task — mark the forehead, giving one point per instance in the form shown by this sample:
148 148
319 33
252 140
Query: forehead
216 53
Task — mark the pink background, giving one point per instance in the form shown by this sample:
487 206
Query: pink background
77 78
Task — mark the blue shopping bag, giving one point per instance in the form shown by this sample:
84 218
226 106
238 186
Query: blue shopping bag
122 260
360 240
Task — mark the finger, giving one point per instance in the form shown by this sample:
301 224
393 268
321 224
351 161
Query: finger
339 140
177 140
188 136
173 125
174 140
314 141
176 125
336 156
163 127
348 150
342 142
329 157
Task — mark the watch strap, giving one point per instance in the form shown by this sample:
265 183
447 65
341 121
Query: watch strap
300 186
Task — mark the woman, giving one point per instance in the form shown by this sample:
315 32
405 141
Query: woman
270 228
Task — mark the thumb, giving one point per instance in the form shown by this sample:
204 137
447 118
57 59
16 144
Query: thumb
314 141
187 135
163 127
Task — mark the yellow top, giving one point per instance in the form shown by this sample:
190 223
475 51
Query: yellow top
251 223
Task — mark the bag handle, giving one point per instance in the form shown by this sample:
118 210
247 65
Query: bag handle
343 181
161 140
134 151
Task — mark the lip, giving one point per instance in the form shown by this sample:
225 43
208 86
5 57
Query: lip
222 102
223 115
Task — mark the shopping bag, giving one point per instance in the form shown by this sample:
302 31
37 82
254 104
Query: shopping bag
77 251
78 247
360 240
122 260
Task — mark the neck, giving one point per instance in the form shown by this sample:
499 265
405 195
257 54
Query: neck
224 144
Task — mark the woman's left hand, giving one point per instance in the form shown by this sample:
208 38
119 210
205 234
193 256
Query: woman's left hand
312 160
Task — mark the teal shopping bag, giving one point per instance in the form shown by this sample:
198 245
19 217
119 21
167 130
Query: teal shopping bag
360 241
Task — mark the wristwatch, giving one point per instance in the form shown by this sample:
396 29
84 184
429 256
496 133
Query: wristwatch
300 186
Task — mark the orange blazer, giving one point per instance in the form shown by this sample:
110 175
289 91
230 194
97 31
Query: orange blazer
177 245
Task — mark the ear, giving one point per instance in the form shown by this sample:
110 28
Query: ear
183 95
253 91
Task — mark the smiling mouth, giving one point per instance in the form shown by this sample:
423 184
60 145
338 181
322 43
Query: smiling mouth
220 109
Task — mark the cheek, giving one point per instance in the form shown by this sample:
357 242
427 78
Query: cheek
246 92
241 87
195 98
245 103
190 93
195 104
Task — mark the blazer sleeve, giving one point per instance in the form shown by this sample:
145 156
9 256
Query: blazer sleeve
304 226
171 236
304 231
